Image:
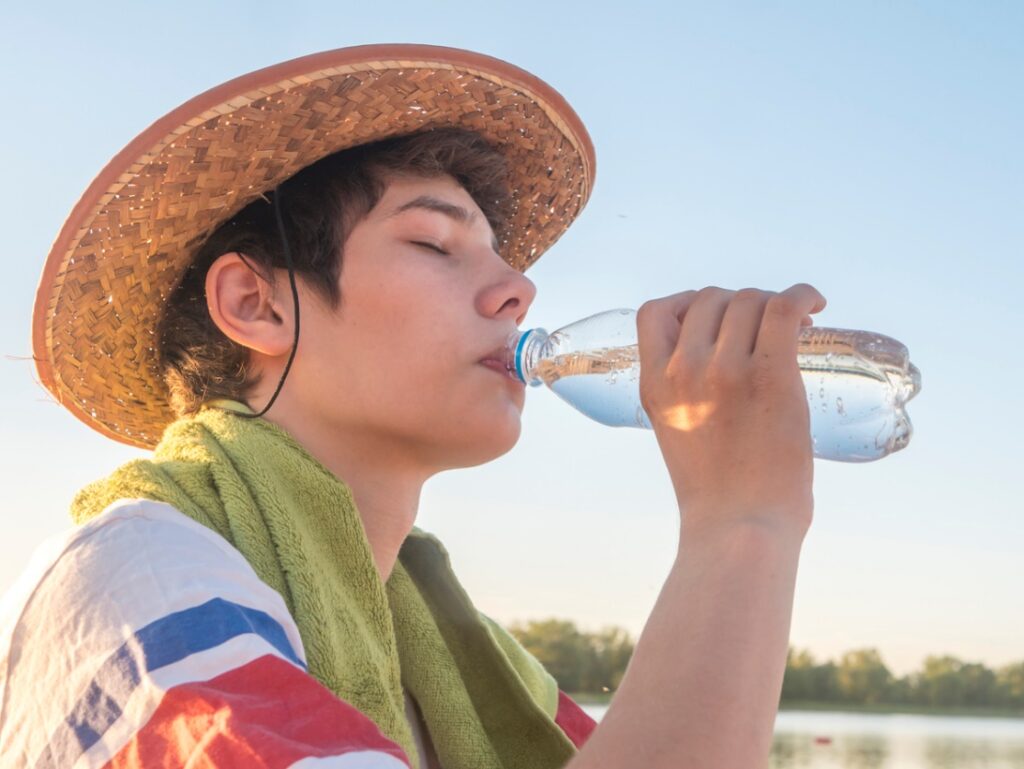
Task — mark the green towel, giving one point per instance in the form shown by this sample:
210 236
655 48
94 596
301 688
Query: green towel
486 701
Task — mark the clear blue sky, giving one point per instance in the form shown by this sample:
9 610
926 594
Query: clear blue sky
872 149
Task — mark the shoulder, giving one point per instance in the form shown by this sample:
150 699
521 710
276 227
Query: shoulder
136 563
114 612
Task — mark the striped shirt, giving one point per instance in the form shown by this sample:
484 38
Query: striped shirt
143 638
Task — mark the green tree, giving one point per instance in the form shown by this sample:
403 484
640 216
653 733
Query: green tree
939 683
561 648
580 662
612 649
826 682
863 677
901 691
596 662
1010 685
979 685
800 680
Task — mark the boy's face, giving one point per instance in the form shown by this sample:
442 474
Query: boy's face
401 365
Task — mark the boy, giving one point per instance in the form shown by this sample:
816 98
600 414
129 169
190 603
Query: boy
257 594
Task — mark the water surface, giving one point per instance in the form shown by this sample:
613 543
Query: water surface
824 740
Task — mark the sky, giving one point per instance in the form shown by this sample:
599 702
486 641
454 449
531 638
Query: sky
871 149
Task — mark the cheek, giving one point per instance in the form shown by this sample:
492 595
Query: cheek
406 341
400 293
402 344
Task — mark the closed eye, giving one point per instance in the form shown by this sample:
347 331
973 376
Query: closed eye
431 246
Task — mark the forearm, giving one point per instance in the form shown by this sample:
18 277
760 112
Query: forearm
703 685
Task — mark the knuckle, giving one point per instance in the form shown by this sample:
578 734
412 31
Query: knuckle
712 292
749 295
676 369
647 318
805 291
647 393
680 372
654 308
781 305
648 310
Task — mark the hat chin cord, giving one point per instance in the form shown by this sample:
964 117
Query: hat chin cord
295 298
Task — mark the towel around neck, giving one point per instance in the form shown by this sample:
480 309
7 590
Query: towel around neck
486 702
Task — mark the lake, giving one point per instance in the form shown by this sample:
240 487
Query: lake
820 740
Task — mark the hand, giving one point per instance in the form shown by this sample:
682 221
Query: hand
720 383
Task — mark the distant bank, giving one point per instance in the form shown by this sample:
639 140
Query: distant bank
915 710
589 698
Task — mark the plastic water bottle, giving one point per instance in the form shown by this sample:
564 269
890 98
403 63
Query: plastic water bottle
858 382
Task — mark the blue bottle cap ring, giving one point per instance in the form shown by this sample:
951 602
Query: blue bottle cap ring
519 356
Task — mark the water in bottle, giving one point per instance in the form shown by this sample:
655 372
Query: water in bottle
857 382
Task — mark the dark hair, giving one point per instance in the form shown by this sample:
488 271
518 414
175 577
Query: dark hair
319 207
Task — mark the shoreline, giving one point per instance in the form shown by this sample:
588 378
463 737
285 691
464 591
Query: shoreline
907 710
604 698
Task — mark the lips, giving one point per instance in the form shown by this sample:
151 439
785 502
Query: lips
498 362
499 355
501 368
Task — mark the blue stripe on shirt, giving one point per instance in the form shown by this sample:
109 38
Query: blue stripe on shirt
162 642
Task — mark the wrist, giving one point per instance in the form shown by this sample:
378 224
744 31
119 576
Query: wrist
750 534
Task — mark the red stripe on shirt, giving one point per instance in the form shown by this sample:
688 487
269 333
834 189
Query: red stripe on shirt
267 713
576 724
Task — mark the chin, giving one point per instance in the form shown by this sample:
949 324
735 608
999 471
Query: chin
487 443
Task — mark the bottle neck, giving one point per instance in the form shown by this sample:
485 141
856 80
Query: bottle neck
526 353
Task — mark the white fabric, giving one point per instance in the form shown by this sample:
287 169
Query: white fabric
427 757
363 759
109 591
86 593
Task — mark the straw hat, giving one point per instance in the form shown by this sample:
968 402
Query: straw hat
127 242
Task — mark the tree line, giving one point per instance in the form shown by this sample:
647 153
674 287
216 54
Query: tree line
595 662
861 677
580 662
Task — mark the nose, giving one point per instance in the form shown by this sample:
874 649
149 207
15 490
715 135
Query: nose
508 297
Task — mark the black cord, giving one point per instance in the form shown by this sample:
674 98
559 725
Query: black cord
295 298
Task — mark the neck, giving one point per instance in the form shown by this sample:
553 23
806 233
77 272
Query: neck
386 489
387 502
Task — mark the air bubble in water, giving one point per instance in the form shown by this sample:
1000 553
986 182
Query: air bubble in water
840 407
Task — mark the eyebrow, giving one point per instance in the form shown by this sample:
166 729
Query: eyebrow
452 211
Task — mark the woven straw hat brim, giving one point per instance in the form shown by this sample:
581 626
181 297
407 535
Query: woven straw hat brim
127 242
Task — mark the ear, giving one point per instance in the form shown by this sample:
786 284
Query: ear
247 309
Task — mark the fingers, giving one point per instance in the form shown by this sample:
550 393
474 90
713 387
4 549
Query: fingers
658 323
784 315
732 324
703 320
741 323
